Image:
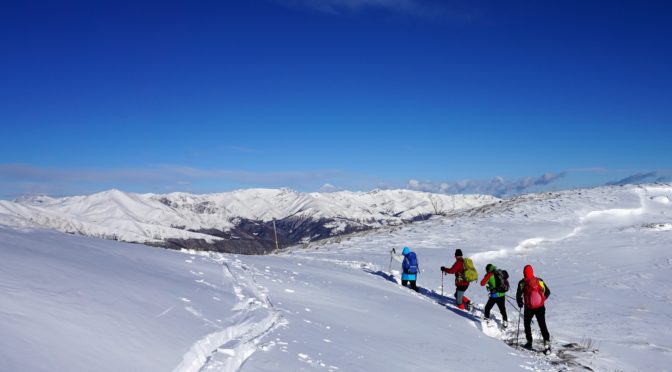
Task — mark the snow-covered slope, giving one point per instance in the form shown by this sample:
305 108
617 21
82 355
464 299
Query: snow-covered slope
244 214
79 304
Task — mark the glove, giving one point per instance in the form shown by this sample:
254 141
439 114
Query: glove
443 268
393 251
520 305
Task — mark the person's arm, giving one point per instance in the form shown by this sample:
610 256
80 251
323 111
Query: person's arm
453 269
486 278
547 291
519 293
397 257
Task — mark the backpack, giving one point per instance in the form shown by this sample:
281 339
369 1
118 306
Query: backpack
470 273
410 265
501 281
533 293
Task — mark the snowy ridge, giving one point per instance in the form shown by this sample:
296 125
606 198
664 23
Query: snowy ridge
212 218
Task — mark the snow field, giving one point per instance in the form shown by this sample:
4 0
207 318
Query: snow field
338 306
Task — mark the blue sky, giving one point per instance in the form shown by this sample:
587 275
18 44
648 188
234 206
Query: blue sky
449 96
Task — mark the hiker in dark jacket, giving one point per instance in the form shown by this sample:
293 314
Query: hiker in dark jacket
532 293
409 267
496 295
461 284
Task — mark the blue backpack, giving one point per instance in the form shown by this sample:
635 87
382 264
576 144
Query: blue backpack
410 264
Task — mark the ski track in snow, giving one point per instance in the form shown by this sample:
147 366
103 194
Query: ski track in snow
227 349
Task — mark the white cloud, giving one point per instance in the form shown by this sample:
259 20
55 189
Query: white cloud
19 179
327 187
497 186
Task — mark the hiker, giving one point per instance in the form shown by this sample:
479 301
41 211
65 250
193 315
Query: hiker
461 283
409 267
496 281
533 292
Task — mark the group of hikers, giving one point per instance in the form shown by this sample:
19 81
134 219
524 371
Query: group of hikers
530 294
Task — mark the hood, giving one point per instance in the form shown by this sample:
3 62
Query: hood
406 251
528 271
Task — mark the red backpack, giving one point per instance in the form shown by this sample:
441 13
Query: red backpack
533 293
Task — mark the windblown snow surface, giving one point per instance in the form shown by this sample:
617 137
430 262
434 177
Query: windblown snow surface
72 303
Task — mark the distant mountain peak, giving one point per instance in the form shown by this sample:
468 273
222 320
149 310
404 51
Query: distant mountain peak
232 221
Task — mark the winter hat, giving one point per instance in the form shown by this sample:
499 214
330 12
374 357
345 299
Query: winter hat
458 252
490 268
406 251
528 271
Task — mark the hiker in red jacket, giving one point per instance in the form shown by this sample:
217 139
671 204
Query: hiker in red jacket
461 283
533 292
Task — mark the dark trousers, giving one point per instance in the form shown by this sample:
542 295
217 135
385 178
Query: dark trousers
540 313
413 285
501 304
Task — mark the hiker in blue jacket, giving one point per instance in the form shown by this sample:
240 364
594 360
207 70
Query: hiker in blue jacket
409 267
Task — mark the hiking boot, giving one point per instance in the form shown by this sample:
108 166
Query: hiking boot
547 345
505 324
528 346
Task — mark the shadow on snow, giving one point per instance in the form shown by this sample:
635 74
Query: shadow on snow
445 301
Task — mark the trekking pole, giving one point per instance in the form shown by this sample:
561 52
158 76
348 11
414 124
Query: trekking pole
390 269
518 331
511 302
442 275
392 252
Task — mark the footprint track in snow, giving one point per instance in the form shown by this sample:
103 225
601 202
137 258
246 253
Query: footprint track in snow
255 316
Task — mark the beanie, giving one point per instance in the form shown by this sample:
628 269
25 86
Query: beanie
458 253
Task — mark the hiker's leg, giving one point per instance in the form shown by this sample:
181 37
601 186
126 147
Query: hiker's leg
404 282
501 304
488 307
414 285
541 319
458 298
527 321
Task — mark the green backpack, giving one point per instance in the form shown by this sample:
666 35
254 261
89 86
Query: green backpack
470 273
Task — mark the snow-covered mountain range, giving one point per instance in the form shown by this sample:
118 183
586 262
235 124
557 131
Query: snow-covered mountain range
239 221
74 303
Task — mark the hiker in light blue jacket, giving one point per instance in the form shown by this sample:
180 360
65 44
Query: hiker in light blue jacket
409 267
